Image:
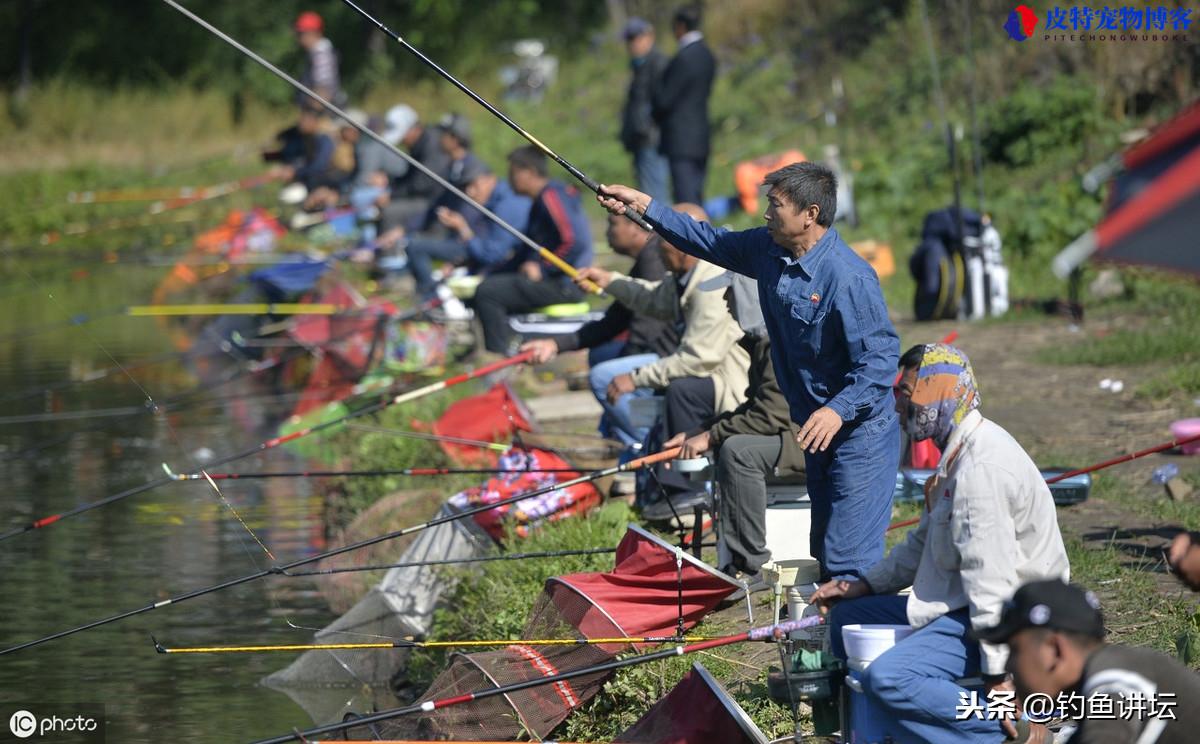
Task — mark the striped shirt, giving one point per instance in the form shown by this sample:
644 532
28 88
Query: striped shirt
321 71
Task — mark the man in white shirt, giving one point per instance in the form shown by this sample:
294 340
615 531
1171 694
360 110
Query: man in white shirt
989 526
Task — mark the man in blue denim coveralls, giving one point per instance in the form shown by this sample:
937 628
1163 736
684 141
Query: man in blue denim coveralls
833 346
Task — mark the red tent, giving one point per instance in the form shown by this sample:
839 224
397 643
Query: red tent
1153 210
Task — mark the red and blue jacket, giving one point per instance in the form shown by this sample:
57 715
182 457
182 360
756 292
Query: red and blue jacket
557 222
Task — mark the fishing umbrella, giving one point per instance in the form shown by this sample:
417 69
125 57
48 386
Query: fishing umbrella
1153 210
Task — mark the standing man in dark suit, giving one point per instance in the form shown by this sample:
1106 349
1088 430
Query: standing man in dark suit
681 107
639 133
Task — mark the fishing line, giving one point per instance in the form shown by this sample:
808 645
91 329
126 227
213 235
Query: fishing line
636 464
152 405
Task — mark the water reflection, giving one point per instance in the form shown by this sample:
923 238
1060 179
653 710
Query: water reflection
145 548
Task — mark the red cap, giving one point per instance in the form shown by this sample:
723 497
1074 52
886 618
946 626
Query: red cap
308 21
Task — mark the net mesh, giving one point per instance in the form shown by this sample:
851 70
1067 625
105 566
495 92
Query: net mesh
401 605
533 712
575 606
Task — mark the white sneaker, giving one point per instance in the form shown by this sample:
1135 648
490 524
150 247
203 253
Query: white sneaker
454 309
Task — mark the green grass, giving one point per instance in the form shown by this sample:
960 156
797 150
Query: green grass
1136 612
1163 335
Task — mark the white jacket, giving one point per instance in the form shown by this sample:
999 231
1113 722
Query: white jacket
992 529
709 345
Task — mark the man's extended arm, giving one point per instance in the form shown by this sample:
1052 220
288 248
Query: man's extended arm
715 245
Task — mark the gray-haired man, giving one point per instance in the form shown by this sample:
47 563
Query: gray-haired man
832 344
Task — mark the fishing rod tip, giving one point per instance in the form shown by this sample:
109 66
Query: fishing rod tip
171 473
157 646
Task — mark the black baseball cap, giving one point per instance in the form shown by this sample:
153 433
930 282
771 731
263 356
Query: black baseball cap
1053 605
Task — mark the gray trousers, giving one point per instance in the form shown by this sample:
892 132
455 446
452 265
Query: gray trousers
743 464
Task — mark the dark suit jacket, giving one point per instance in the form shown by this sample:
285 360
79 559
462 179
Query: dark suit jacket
681 102
638 129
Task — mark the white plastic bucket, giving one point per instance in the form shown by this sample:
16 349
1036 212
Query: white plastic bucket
864 643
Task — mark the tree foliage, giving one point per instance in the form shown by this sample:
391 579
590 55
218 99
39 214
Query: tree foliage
147 43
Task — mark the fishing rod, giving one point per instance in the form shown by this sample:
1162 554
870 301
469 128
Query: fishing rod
166 194
591 184
764 633
161 311
282 569
455 561
408 472
411 643
1178 442
546 254
494 446
275 442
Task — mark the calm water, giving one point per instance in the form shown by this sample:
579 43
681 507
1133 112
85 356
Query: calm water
147 547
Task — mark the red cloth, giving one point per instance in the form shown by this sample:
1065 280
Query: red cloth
925 455
640 596
493 416
696 711
550 506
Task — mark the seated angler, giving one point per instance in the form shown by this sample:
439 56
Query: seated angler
634 337
989 526
1056 650
409 195
472 239
306 151
528 281
704 376
753 442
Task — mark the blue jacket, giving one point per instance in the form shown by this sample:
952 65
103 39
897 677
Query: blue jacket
832 342
557 222
492 244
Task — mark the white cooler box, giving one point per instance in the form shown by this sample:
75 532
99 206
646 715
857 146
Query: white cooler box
789 519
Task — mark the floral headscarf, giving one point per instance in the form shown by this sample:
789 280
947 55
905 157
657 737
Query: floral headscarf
944 394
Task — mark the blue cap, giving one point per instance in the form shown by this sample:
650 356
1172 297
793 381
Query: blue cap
635 27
